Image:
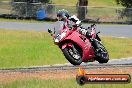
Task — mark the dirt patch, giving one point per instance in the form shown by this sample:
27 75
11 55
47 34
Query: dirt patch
58 74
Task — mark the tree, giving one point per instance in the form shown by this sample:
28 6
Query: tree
127 12
82 8
125 3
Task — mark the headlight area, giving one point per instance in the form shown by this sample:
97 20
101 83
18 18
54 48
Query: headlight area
60 36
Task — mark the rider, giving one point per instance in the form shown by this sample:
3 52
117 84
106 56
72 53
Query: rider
73 21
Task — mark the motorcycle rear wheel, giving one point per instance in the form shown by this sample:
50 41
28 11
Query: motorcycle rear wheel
104 56
73 56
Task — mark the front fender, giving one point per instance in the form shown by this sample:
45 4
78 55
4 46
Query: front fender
65 45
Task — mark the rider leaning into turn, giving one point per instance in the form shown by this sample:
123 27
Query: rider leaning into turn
73 21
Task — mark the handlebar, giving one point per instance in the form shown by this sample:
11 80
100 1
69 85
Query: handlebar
93 25
51 32
98 32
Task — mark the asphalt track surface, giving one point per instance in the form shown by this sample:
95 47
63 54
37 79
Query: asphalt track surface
115 63
107 30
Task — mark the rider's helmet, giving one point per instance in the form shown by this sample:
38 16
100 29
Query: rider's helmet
62 15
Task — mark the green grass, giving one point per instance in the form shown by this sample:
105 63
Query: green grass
118 47
21 48
102 3
102 12
27 48
91 2
68 83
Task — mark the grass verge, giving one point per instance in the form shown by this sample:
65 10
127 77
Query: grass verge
67 83
27 48
19 48
91 2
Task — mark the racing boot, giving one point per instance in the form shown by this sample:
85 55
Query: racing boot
97 49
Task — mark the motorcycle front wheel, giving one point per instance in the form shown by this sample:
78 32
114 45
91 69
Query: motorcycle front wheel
72 55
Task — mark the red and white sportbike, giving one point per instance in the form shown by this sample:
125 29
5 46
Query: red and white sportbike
76 47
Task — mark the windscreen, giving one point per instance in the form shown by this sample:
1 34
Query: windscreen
58 26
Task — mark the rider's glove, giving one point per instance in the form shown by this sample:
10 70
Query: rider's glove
82 31
49 31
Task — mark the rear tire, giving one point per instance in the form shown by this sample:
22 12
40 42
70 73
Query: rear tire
70 55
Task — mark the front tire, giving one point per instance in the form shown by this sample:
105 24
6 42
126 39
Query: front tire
73 56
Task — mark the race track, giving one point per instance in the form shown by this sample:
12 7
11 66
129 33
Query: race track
115 63
107 30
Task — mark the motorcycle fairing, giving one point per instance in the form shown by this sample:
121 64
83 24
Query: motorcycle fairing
83 43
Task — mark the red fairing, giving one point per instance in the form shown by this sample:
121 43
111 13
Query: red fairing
85 45
66 44
71 37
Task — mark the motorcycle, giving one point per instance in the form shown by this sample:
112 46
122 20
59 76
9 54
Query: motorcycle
76 47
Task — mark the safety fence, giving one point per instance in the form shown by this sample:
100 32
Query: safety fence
95 14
